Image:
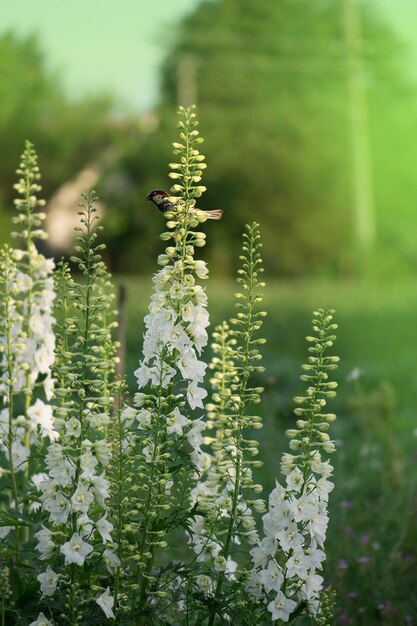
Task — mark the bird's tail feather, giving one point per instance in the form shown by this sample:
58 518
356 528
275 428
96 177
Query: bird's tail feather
213 215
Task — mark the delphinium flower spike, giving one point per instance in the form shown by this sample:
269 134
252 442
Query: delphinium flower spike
165 435
77 533
26 327
36 273
287 560
225 494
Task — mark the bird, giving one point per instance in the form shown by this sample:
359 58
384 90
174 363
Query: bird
162 200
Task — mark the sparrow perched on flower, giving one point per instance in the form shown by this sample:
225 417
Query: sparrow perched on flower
161 200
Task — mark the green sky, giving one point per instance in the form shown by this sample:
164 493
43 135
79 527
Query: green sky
117 45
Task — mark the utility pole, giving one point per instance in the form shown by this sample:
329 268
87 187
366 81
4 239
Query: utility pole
363 195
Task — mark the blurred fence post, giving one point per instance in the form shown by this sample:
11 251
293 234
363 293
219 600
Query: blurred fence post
363 196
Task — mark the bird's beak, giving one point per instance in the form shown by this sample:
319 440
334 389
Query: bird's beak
148 197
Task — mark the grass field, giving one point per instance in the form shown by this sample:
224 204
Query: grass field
376 334
372 555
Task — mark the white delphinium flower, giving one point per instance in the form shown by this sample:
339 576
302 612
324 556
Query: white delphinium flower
111 559
106 603
41 621
73 428
177 423
58 506
104 527
205 584
296 523
45 545
40 418
281 607
48 581
75 550
37 480
82 499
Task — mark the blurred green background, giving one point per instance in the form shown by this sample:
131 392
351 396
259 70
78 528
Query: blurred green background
309 111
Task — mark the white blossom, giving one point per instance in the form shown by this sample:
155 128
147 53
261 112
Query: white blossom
48 581
41 621
73 427
281 607
75 550
195 395
102 451
111 559
58 508
106 603
40 415
176 422
45 544
104 527
81 499
295 479
200 268
272 577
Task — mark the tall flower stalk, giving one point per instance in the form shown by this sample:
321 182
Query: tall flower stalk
77 535
26 338
225 494
166 435
12 346
37 270
290 555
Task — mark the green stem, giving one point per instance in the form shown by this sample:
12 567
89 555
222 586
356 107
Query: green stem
10 437
28 399
120 481
311 430
28 391
149 500
73 611
12 468
87 315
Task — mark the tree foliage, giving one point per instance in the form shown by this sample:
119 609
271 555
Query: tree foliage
270 79
68 131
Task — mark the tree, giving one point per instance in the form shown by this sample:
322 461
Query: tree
67 132
271 84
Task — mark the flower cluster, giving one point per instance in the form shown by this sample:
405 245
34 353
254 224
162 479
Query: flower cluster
121 479
176 329
36 288
32 354
225 493
177 320
11 345
75 492
292 551
35 284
